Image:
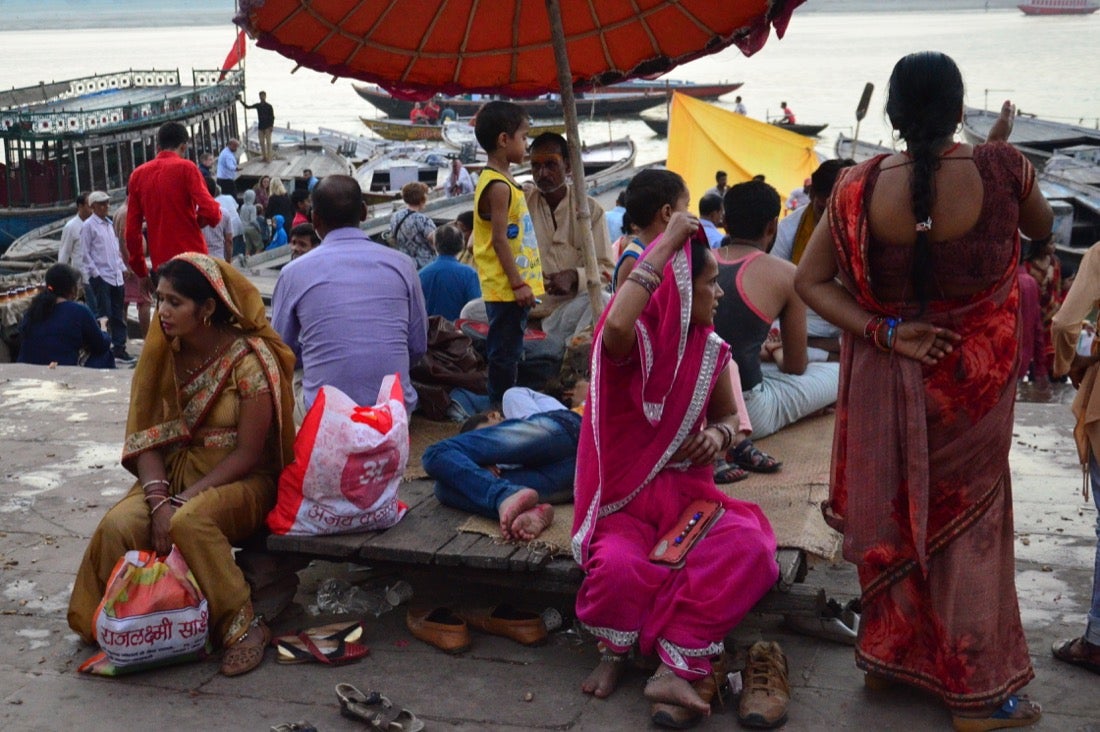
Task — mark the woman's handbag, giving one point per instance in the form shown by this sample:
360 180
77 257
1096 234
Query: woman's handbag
152 614
348 462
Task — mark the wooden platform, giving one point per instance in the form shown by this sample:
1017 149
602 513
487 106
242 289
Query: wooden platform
426 540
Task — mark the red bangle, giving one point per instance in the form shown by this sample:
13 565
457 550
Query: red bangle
519 287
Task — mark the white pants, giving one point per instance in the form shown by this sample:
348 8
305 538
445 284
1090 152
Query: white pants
783 399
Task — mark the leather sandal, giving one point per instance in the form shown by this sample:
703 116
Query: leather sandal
1077 651
1003 718
725 473
751 458
376 710
246 654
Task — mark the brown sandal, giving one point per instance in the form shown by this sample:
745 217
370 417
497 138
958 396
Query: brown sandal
248 652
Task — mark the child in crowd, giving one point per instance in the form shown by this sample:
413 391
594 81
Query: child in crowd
506 253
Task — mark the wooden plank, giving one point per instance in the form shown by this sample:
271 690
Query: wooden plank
415 492
418 537
480 551
339 547
792 568
798 600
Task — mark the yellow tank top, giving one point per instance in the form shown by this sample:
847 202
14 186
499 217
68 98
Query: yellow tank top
521 238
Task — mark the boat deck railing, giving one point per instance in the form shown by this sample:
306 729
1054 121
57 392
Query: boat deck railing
64 117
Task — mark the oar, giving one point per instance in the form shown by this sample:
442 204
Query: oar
861 112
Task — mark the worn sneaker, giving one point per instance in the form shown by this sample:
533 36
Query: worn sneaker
123 357
766 692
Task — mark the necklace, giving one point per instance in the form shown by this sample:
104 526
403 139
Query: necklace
192 371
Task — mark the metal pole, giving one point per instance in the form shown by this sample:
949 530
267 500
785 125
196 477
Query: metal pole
569 108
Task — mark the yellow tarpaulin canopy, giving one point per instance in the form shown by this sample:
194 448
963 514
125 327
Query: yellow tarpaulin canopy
703 138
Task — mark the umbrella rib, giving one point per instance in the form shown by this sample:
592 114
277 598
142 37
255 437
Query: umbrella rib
603 40
513 71
653 44
423 41
465 41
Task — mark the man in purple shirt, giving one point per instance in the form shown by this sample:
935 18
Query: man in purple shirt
351 309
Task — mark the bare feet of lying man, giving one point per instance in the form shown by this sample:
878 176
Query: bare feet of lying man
605 677
522 517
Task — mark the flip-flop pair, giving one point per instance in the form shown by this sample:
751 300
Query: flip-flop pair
376 710
334 644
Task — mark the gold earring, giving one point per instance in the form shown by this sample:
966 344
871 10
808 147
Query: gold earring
206 321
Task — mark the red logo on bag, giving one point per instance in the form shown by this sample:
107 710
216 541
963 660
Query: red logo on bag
366 475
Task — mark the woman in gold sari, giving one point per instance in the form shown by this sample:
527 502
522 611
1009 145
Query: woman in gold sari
209 429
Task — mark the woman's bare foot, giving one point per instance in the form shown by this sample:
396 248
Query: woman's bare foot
666 687
532 522
522 500
605 677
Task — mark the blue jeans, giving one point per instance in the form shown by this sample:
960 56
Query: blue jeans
110 303
1092 631
504 346
538 452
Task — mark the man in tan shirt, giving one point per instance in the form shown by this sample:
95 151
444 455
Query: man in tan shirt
553 213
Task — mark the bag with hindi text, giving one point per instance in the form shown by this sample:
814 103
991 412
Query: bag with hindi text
152 614
348 463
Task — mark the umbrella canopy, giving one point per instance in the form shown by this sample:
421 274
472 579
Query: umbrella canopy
416 48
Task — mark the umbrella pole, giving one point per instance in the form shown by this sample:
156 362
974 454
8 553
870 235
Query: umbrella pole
569 108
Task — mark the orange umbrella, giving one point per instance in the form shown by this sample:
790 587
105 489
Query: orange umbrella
416 49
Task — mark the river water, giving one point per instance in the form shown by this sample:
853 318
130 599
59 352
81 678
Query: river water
819 68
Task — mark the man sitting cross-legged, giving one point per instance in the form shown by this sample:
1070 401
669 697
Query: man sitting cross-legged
511 466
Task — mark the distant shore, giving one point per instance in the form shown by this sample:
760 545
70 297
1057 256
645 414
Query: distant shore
31 15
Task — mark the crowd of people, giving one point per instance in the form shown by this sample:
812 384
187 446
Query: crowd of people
897 293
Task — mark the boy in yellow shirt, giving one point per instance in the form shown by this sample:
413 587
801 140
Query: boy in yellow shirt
506 253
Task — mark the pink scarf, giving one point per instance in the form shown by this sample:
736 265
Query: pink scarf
640 410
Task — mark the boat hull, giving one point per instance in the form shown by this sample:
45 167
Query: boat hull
1032 9
800 129
389 129
591 105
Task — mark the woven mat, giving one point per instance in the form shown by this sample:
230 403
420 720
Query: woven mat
791 498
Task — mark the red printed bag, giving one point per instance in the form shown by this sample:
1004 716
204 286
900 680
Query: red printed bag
348 463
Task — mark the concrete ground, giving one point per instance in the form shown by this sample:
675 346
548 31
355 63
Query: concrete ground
60 437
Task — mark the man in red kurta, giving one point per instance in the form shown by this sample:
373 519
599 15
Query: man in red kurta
170 196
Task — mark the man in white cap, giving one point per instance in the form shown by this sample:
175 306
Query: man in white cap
104 267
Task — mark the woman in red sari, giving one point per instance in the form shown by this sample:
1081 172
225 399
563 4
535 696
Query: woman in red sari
660 410
925 245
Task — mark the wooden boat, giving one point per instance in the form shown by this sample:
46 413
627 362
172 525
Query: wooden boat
698 90
588 104
403 130
1036 138
800 129
659 125
1076 215
460 133
1058 7
291 163
86 134
403 163
860 150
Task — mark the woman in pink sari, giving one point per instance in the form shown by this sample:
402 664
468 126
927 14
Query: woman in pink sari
660 410
925 246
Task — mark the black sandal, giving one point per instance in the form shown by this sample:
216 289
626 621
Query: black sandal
747 456
724 473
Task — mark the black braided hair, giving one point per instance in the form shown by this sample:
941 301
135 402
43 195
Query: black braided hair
924 101
61 281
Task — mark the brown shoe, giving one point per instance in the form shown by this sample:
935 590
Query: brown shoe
439 627
522 626
766 692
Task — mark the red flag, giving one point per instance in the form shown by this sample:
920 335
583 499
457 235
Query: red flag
235 56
